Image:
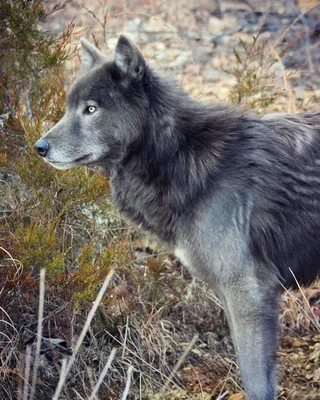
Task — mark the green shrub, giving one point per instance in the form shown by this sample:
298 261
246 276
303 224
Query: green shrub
46 225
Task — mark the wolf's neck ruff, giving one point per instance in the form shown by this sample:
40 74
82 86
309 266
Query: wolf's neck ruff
175 158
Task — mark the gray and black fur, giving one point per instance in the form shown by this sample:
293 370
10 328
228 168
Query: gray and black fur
236 196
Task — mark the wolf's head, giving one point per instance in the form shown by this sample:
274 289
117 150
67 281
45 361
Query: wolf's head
106 110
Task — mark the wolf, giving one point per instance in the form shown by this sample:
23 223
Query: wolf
236 196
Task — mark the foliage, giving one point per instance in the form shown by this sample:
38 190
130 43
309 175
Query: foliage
254 75
27 52
44 223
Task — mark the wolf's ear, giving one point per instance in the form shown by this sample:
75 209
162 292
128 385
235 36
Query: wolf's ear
90 54
128 58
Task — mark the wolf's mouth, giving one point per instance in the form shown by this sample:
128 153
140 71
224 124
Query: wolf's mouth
82 158
75 161
90 159
69 164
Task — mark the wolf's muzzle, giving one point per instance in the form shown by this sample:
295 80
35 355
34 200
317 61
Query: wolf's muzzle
42 147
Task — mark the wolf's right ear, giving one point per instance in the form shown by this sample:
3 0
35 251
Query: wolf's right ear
91 55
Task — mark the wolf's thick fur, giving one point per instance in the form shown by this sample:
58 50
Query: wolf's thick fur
236 196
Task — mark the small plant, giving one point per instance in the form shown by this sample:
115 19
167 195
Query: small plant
27 52
255 79
255 73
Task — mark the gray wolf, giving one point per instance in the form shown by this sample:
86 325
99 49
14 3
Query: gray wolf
236 196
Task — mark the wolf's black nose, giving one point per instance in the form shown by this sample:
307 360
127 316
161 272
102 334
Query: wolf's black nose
42 147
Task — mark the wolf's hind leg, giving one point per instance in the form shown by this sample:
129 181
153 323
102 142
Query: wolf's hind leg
252 313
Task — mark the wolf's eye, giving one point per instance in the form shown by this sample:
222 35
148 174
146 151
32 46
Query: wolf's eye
91 109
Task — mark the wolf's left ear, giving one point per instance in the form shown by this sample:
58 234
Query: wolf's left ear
91 55
128 58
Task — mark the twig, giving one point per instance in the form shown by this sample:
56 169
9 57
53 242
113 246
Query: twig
151 367
7 315
290 26
316 323
61 378
151 17
28 106
103 374
291 101
20 373
84 332
26 374
128 383
307 39
178 364
125 337
18 265
227 32
44 339
39 333
102 23
300 307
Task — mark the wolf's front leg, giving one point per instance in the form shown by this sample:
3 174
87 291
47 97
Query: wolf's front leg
252 313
